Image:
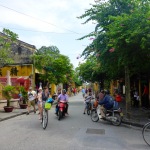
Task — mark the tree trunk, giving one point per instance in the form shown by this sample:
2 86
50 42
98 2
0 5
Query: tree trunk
8 103
127 92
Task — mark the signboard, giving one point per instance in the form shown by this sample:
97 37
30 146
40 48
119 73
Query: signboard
16 71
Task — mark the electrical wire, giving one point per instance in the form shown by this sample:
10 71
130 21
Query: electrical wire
36 30
38 19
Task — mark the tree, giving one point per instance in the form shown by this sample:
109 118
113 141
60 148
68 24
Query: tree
6 39
90 71
57 67
121 37
129 36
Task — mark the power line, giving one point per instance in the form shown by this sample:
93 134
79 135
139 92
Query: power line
36 30
38 19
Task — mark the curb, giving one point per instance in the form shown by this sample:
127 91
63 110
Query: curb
132 123
13 116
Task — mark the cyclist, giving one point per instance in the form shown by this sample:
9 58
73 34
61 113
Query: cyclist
87 101
63 97
45 95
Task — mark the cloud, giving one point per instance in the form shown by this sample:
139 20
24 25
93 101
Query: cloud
58 16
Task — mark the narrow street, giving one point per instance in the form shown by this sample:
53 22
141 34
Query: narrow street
26 133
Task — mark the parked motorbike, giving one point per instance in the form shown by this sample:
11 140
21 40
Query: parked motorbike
61 109
113 115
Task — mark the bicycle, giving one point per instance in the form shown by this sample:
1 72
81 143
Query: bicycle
44 116
46 106
89 107
146 133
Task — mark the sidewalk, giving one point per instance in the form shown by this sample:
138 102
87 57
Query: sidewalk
16 112
139 116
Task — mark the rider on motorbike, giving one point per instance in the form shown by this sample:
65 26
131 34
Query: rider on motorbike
106 103
63 97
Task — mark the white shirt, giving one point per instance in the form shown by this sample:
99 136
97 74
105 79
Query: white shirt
31 95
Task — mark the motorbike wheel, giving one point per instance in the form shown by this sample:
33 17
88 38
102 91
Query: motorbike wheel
94 116
118 121
59 115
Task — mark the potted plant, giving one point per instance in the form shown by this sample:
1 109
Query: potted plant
23 98
7 92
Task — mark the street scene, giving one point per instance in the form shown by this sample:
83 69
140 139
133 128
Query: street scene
74 132
75 75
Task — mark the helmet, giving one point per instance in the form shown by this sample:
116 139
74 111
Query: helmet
64 91
106 92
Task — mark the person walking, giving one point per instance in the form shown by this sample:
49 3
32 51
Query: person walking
145 101
83 92
31 100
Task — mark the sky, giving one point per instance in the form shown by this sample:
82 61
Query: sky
49 22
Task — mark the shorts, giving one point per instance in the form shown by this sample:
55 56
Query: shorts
39 103
31 103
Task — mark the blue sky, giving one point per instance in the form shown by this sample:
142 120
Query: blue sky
55 20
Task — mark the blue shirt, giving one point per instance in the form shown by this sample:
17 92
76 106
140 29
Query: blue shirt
107 102
83 91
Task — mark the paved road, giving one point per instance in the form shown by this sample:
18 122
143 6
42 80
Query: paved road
71 133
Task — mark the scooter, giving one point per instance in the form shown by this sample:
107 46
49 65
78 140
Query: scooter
113 115
61 109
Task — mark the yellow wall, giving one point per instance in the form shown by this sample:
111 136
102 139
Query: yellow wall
21 70
1 90
53 89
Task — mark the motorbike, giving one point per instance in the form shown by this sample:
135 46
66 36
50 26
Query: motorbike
113 115
61 109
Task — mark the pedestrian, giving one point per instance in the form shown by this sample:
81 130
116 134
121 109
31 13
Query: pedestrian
39 97
145 97
83 92
86 91
74 91
31 100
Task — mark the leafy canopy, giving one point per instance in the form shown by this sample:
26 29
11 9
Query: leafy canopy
55 67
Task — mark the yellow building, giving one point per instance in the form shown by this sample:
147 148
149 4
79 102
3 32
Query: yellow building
22 68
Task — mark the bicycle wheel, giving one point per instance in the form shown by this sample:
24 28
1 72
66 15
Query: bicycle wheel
89 109
146 133
45 119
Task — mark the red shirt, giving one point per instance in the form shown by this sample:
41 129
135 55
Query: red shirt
145 90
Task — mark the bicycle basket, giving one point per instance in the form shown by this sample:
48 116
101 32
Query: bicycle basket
48 106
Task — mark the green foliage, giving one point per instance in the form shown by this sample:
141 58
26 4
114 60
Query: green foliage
5 46
57 67
24 94
7 92
122 25
90 71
